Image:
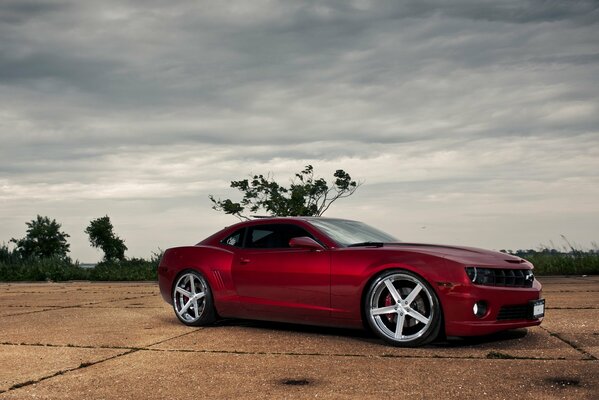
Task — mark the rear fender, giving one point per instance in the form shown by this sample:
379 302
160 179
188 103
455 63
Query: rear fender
212 262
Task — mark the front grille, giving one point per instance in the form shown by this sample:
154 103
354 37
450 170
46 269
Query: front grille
513 277
513 312
501 277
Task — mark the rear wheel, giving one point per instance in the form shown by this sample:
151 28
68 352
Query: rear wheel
402 309
192 300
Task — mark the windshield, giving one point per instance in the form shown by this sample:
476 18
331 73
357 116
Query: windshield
347 232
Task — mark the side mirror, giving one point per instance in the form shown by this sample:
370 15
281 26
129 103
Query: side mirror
304 242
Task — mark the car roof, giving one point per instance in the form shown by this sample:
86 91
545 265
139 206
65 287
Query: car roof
217 236
277 220
266 219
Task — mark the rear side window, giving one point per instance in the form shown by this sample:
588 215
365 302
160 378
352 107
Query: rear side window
275 236
235 239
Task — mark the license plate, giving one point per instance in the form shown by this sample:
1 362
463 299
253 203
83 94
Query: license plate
538 308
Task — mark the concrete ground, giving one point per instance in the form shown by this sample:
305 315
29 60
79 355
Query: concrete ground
121 341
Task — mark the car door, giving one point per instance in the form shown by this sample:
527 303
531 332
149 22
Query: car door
277 282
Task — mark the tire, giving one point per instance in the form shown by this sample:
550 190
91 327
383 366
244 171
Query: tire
192 299
402 309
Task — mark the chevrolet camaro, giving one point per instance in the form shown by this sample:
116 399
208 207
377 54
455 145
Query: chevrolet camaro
337 272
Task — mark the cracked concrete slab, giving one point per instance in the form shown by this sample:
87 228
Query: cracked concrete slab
114 327
148 301
53 299
179 374
21 364
588 342
88 287
582 287
268 338
26 287
259 359
5 310
570 321
558 300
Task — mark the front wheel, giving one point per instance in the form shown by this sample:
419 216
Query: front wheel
192 300
402 309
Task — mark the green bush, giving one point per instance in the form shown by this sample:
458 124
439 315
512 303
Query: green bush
133 269
53 269
13 268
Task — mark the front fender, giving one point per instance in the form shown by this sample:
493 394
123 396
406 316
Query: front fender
352 271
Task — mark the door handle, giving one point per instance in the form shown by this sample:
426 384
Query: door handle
244 260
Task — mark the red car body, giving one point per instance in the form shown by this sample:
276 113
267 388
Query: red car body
327 285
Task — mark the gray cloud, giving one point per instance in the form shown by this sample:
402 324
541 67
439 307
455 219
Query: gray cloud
479 105
19 12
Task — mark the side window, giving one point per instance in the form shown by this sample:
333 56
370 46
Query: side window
235 239
263 237
275 236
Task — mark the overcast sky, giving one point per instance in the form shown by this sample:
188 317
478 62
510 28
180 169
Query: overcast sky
468 122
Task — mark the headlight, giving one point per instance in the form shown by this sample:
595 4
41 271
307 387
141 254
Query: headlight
481 276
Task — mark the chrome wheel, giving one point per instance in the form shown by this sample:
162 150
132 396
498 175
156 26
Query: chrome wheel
192 299
402 309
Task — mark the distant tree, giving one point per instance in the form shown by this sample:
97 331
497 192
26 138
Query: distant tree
101 235
44 239
7 255
306 196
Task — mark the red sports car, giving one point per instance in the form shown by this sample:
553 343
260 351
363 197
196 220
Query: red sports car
344 273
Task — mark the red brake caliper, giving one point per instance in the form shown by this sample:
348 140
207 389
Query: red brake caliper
389 302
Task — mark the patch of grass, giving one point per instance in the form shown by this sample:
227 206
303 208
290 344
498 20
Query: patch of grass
578 263
569 260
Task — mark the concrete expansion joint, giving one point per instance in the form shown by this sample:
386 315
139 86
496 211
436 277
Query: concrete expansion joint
62 372
587 356
488 356
83 305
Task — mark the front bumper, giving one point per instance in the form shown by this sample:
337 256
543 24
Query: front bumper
457 302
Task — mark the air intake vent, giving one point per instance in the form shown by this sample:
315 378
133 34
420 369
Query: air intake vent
513 312
218 279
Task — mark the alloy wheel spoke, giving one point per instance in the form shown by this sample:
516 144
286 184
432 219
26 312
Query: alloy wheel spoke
192 286
399 327
199 296
383 310
392 290
413 294
416 315
183 292
195 308
186 307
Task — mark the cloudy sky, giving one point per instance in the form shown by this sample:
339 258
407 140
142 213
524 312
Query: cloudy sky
468 122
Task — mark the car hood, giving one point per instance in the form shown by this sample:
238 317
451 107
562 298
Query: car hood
461 254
